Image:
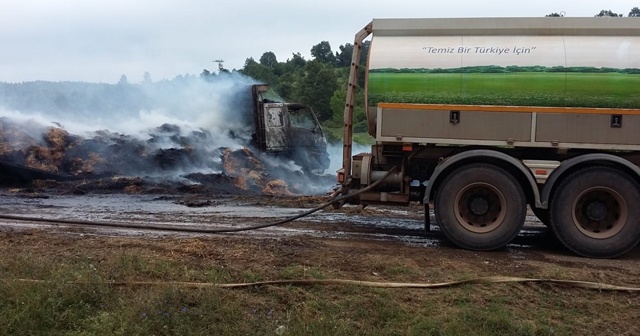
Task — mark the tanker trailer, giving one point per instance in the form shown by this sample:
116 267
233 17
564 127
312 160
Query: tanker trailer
484 117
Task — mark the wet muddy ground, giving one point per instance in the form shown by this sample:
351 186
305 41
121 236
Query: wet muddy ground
375 225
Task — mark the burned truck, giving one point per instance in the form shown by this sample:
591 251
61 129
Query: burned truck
289 131
484 117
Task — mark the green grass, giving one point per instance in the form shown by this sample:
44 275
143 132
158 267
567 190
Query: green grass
527 89
334 135
78 300
100 309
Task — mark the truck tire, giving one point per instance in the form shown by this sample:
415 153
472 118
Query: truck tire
480 207
595 213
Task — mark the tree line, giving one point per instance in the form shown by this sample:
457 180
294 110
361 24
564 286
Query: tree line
635 12
319 82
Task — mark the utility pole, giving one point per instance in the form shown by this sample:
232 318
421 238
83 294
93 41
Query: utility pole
220 67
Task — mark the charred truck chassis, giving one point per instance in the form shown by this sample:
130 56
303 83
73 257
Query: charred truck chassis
479 162
289 130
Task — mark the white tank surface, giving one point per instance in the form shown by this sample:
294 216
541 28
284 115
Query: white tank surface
552 62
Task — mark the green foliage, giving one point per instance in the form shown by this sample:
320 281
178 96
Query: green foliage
607 12
322 53
287 86
317 87
337 107
297 61
260 72
319 83
334 135
268 59
343 58
635 12
249 62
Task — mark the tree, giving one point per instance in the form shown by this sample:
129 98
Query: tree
268 59
554 15
146 78
607 12
287 84
123 80
207 75
297 61
249 61
343 58
635 12
322 53
259 72
317 87
337 108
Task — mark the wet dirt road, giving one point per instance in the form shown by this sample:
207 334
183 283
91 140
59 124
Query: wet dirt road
379 224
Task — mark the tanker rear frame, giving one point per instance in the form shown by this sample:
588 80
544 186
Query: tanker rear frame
480 165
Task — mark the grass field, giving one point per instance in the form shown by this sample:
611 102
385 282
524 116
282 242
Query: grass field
614 90
77 298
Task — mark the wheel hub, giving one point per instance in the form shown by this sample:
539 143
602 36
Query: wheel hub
479 206
600 212
596 211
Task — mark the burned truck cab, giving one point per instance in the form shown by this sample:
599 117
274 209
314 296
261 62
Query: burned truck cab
288 130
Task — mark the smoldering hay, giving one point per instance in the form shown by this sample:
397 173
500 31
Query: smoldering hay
184 131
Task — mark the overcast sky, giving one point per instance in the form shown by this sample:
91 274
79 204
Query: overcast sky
100 40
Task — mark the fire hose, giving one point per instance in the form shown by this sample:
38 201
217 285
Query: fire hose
336 198
374 284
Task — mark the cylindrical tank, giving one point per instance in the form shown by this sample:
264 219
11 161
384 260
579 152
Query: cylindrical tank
558 62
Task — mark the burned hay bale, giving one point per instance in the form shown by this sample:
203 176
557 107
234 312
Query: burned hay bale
248 172
277 188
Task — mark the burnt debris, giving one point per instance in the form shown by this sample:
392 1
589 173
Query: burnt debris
170 160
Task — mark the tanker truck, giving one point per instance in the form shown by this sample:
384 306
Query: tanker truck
483 118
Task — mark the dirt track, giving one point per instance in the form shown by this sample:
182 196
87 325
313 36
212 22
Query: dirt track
395 233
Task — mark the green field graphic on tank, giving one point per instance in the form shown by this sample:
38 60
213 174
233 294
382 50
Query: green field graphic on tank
566 71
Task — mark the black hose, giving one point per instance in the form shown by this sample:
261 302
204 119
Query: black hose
176 228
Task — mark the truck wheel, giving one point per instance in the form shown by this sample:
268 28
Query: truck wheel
595 213
480 207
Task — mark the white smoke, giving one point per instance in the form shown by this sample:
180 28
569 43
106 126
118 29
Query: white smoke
335 152
212 113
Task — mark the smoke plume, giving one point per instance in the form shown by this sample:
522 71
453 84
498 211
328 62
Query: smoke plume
168 129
